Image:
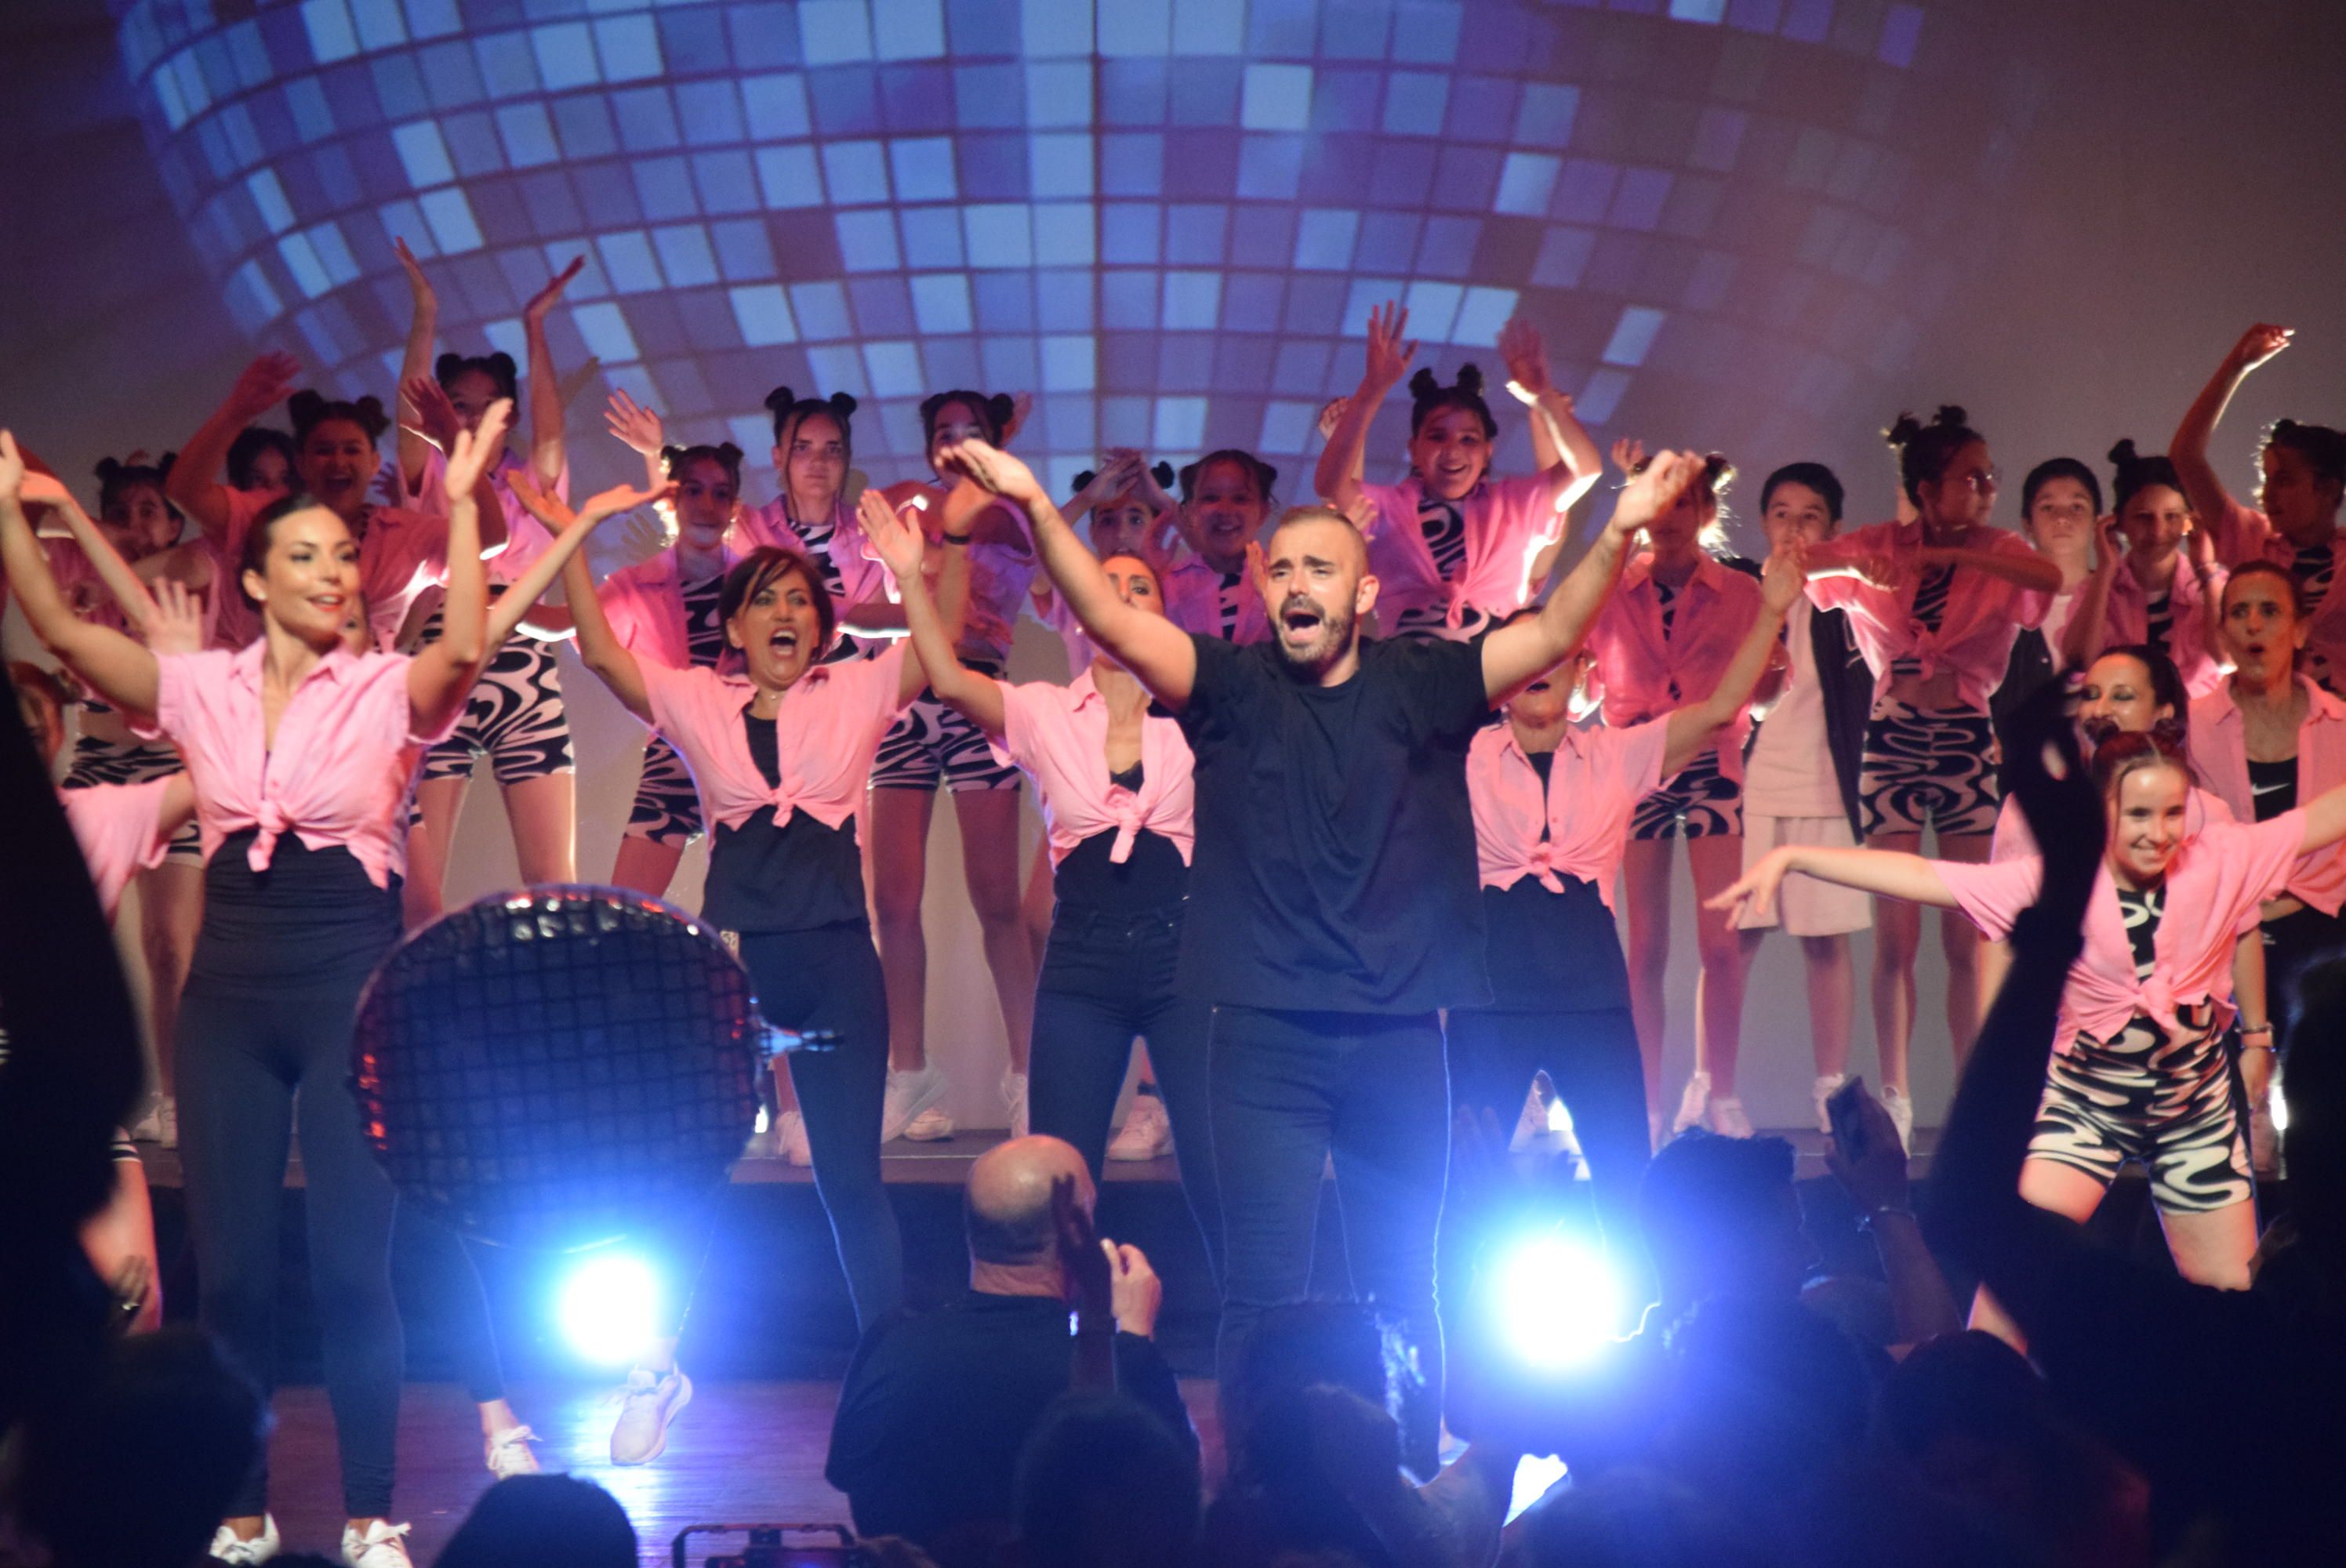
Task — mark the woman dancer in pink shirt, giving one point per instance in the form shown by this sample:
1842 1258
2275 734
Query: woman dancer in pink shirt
2139 1072
1113 779
2158 583
300 753
1935 604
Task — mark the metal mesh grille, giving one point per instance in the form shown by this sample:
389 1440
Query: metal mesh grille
554 1067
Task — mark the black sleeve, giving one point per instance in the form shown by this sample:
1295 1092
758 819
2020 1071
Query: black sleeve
1440 688
1142 1375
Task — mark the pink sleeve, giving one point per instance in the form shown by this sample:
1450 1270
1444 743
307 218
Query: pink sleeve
886 673
1385 501
2267 853
1992 896
2029 608
1642 745
2012 840
2240 533
243 506
1020 703
171 685
668 692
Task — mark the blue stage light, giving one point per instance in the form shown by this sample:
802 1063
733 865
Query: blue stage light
608 1308
1556 1299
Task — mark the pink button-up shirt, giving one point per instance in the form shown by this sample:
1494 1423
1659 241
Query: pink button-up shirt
2219 749
1508 523
1196 596
2213 889
827 729
1645 675
400 555
1984 615
338 772
839 545
526 537
119 827
2243 533
1058 734
2128 620
645 604
2014 841
84 589
1050 607
1595 782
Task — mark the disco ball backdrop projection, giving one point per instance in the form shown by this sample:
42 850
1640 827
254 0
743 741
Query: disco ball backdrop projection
1165 218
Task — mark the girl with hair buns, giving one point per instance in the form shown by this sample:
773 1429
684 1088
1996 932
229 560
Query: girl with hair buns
2158 583
516 716
299 752
2303 480
2138 1071
813 513
1131 514
1225 499
1451 548
933 744
1666 636
1935 604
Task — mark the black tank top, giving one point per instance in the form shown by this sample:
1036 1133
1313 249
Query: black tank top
1153 876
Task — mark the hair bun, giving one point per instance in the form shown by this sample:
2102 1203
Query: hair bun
503 363
1470 377
305 406
1951 416
1162 473
1002 406
371 415
1425 383
1902 429
106 470
730 453
780 400
842 401
447 367
2123 455
671 456
1083 481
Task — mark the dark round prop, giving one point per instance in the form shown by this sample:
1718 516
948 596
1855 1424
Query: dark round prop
559 1066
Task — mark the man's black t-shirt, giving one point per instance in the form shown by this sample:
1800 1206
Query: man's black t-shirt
1334 867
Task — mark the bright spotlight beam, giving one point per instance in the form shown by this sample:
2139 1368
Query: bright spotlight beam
1558 1302
609 1308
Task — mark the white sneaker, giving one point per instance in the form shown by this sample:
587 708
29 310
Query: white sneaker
1145 1133
909 1096
1693 1103
932 1125
1013 1094
648 1404
227 1548
509 1454
1902 1115
791 1139
1825 1087
380 1547
159 1125
1727 1120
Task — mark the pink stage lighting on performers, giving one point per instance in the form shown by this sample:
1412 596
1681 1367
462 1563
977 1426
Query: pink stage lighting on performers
1166 218
1557 1301
558 1067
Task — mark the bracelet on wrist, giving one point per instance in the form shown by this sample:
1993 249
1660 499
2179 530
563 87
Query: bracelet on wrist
1867 1220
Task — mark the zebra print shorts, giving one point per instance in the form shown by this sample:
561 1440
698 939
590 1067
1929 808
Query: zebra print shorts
2163 1102
100 761
1699 803
515 717
667 808
1929 768
931 743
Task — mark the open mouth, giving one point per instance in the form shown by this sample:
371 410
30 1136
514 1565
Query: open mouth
784 641
331 604
1301 616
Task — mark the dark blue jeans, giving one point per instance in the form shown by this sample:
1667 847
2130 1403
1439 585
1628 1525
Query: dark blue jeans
1105 980
1291 1089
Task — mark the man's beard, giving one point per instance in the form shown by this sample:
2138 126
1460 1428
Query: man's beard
1331 639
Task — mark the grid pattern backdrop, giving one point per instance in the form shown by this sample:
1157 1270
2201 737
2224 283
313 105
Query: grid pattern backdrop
1164 218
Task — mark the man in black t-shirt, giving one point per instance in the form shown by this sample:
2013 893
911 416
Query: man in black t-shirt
1334 898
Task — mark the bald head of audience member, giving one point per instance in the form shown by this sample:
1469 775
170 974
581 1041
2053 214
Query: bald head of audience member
1013 1248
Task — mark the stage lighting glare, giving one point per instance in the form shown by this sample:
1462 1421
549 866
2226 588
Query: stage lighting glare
1558 1302
2279 1110
609 1308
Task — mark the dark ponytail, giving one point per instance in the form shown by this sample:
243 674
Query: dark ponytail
1925 450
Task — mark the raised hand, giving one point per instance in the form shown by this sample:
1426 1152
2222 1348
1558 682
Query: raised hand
1872 1170
1090 1280
2260 343
992 470
12 467
1257 570
1526 357
1755 891
263 384
41 489
435 418
1134 1289
472 451
1655 489
1112 479
1333 415
1784 576
1389 352
176 626
2109 542
899 543
620 498
418 285
637 427
1628 456
545 299
542 504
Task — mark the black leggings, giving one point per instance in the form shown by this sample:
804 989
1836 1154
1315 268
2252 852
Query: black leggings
1107 979
829 978
265 1029
2294 944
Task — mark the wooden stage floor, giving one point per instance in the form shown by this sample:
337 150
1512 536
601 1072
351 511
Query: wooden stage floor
742 1452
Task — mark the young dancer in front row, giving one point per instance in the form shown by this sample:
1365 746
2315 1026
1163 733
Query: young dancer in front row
781 746
1113 777
299 752
1553 805
2138 1069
